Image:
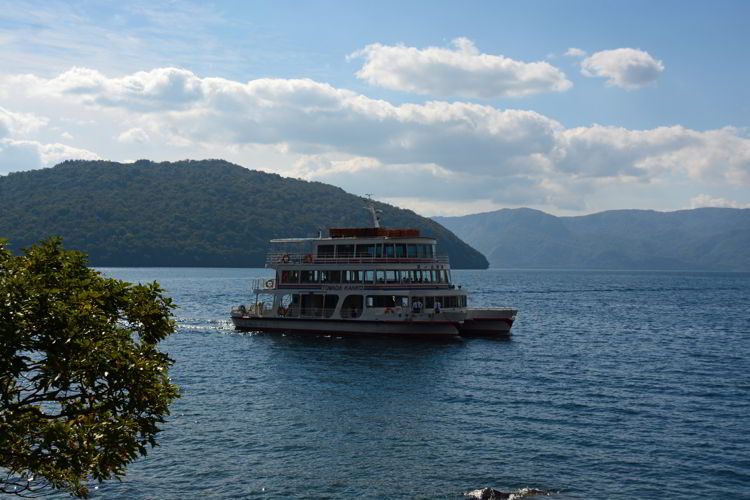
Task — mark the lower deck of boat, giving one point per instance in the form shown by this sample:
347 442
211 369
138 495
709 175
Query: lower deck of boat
434 328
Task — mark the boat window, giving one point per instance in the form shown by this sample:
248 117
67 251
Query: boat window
352 306
308 277
366 250
388 251
391 276
330 276
447 276
411 250
352 276
427 276
400 250
369 276
345 251
378 250
292 310
312 305
449 301
329 305
326 251
429 302
285 300
387 301
380 276
290 276
417 304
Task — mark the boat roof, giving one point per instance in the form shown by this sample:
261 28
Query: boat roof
357 232
370 232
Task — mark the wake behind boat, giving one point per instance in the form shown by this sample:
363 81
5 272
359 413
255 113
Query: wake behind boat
365 281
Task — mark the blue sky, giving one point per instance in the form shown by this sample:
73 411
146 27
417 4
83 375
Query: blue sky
447 108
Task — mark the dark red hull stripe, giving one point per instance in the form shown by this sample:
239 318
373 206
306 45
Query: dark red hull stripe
346 333
505 320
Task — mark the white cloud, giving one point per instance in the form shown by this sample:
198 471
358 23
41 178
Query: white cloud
721 155
438 152
133 136
461 71
626 68
27 155
574 52
12 123
705 200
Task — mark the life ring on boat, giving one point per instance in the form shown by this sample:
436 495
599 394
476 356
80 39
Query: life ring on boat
388 310
307 259
285 258
269 284
281 311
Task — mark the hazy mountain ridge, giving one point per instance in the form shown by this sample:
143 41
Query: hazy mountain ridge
188 213
716 239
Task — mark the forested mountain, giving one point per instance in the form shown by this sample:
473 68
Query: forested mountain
188 213
702 239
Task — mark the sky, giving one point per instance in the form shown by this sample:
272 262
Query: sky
446 108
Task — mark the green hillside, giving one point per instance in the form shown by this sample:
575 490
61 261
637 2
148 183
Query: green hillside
189 213
709 239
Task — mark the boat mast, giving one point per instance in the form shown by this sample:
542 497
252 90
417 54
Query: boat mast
370 207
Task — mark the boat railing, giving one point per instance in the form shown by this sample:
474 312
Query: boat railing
306 312
276 258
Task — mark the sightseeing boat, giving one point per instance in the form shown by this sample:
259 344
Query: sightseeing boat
365 281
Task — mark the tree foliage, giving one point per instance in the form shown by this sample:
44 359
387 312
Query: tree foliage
190 213
83 387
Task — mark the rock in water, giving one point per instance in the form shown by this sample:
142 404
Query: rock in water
493 494
489 494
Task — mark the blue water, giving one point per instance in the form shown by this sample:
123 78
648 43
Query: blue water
614 385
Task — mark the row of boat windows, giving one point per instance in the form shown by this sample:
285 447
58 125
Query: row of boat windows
323 306
367 277
377 250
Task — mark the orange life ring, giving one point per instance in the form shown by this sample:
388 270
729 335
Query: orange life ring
307 259
281 311
388 310
285 258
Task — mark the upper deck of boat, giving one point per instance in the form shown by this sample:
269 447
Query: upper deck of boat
360 245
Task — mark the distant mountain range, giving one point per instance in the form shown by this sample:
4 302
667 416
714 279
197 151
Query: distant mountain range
188 213
716 239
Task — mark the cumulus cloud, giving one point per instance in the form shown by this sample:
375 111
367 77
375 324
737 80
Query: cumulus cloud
14 123
459 151
626 68
574 52
18 155
705 200
312 117
461 71
721 155
133 136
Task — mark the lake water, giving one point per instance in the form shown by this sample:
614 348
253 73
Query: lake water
614 385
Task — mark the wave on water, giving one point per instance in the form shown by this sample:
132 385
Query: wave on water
204 324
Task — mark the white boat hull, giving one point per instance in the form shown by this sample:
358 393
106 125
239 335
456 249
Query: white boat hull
488 322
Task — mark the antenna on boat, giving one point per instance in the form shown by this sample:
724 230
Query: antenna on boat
370 207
